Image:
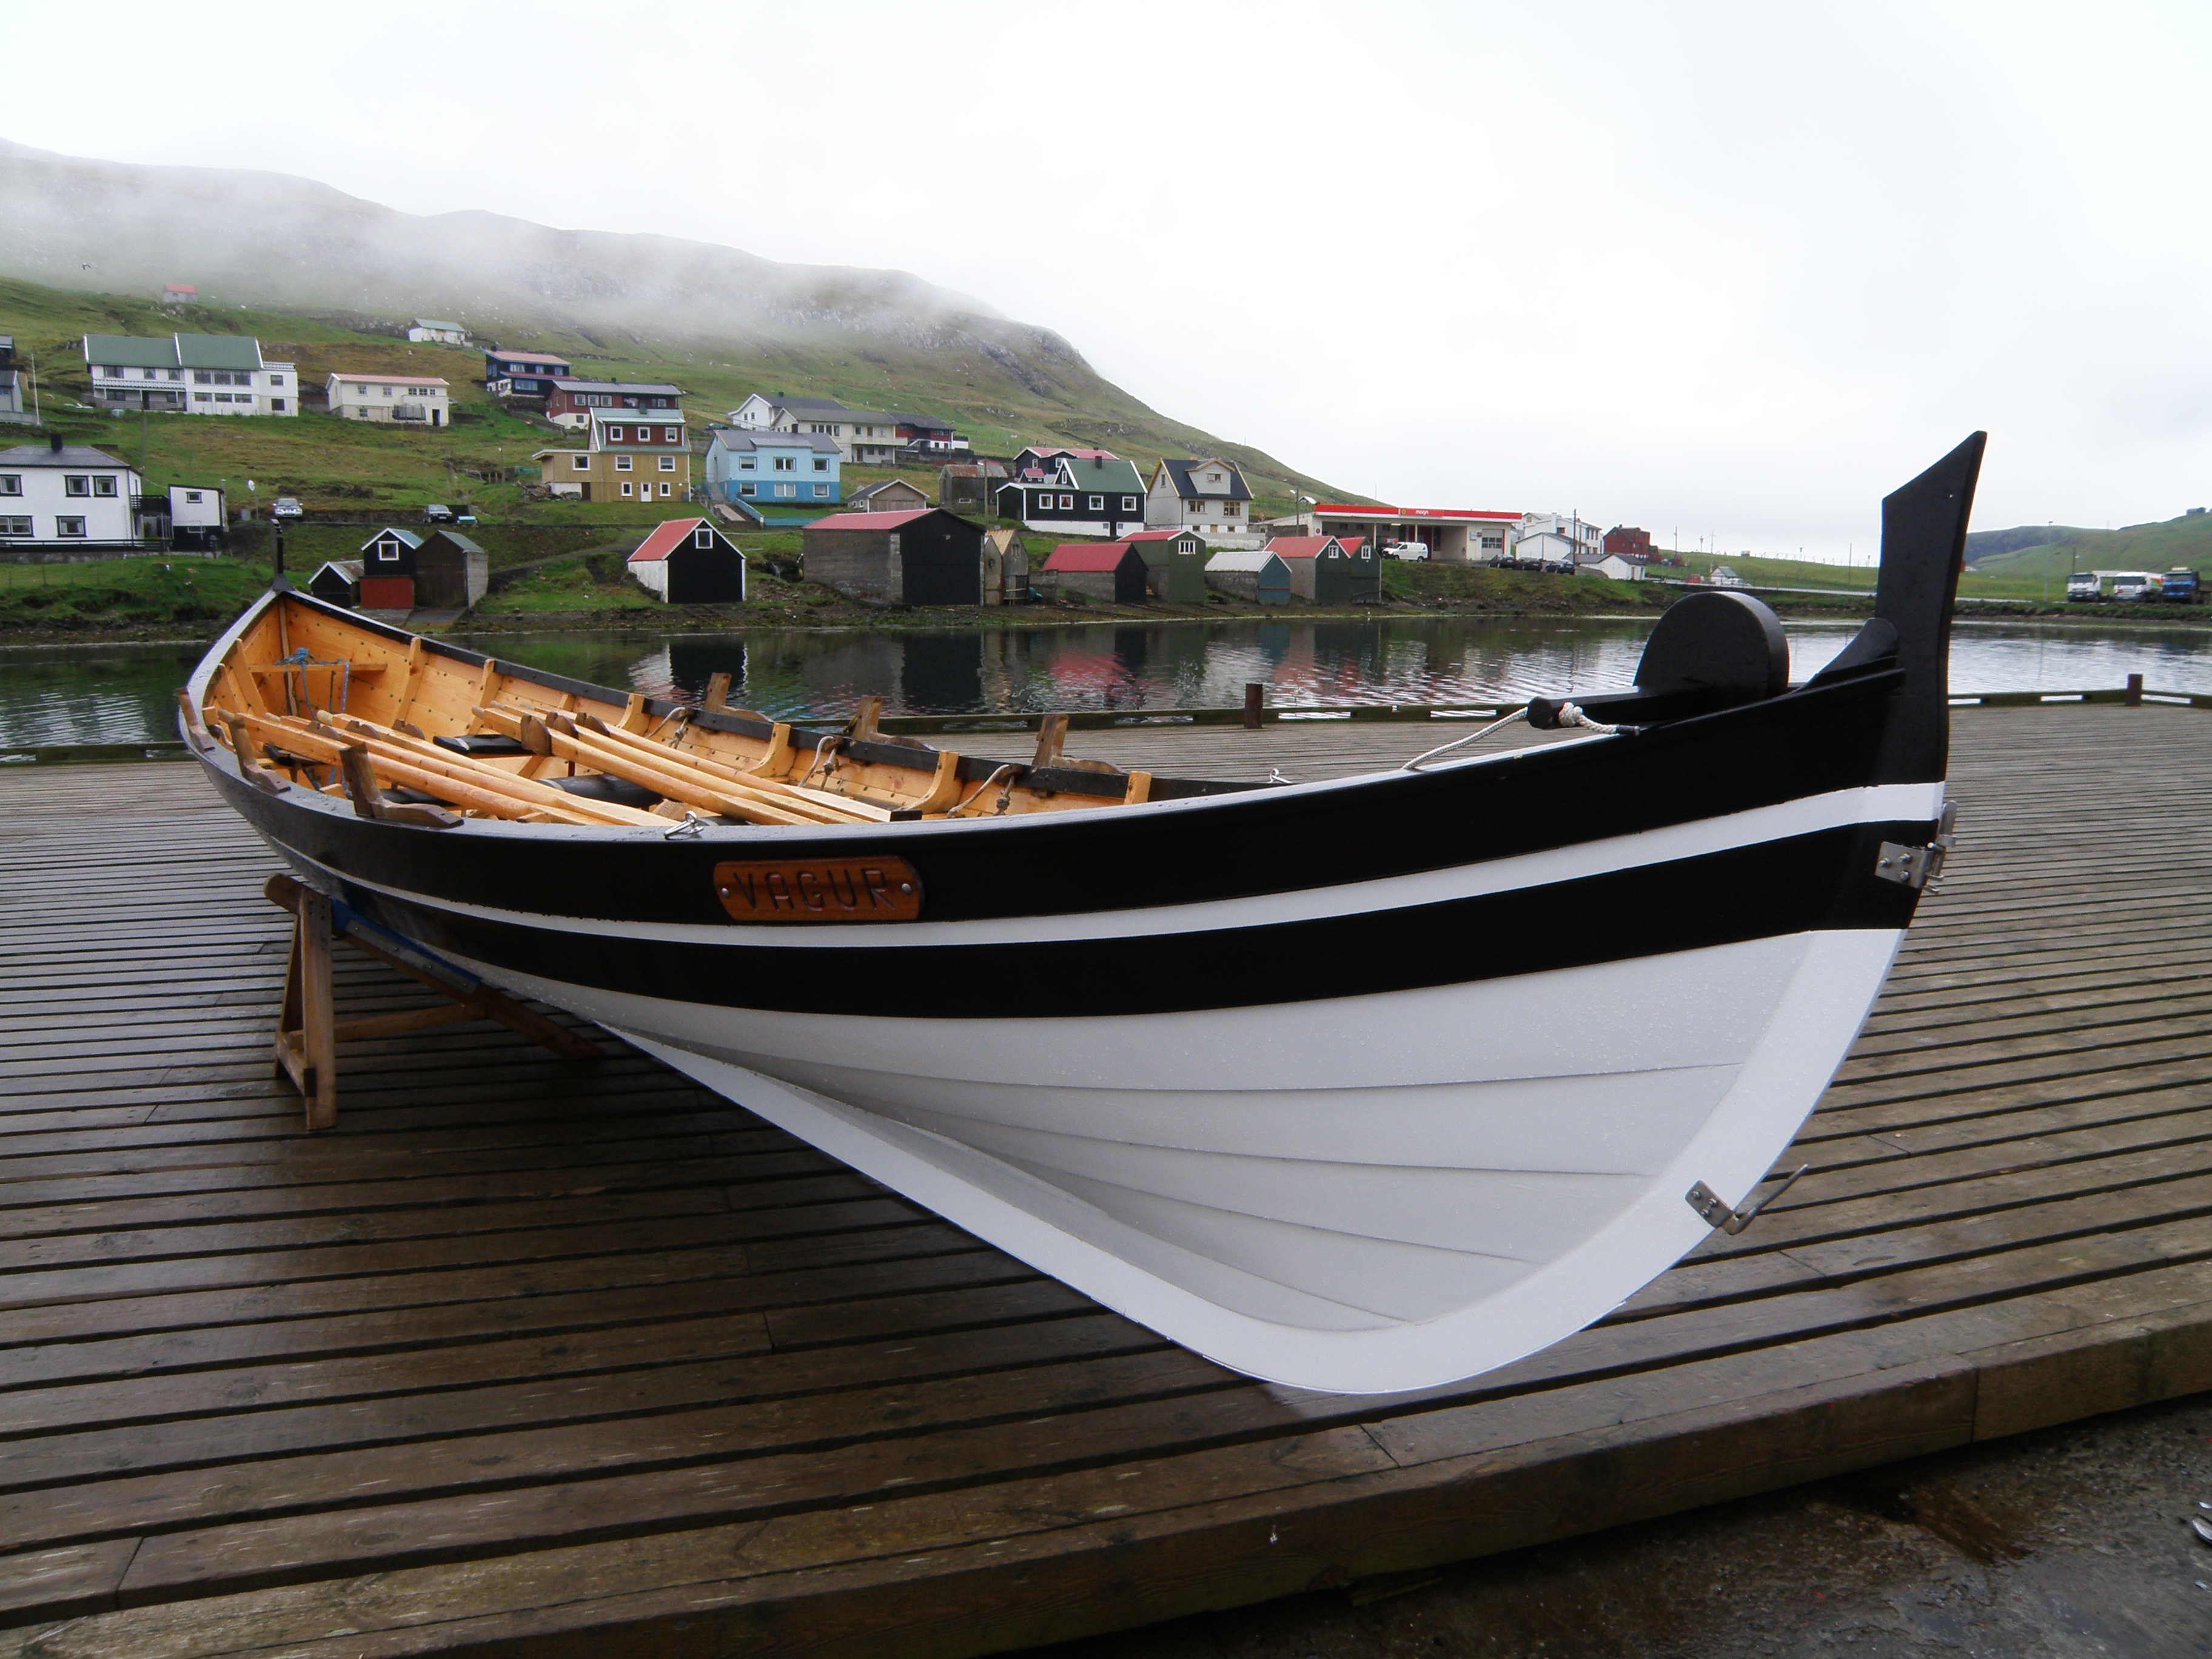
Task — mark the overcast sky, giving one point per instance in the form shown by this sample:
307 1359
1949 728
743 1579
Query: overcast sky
1735 269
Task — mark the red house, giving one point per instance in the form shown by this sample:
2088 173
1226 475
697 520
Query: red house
1629 541
570 402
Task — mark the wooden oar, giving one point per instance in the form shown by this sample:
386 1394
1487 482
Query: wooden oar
727 777
676 783
654 766
424 752
448 776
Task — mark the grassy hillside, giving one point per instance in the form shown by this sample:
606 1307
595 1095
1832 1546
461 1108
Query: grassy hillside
365 470
2017 575
2183 541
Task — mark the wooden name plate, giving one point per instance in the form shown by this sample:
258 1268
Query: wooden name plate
819 890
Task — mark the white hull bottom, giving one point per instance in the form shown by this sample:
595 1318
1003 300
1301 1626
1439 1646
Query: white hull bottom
1365 1195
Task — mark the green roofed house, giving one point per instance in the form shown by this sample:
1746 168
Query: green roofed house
1074 492
438 331
189 374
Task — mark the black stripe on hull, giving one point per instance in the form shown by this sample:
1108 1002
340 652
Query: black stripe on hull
1808 743
1821 880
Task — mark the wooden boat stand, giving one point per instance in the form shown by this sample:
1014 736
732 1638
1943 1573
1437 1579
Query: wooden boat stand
307 1031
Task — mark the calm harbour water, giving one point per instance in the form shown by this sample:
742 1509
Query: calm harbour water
124 694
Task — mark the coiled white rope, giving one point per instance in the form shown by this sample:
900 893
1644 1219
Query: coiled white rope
1571 715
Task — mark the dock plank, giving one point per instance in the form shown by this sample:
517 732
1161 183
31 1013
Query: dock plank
535 1357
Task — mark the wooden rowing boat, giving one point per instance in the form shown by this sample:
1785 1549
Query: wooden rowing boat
1362 1085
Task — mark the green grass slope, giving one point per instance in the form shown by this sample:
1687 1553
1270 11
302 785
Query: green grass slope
332 464
2183 541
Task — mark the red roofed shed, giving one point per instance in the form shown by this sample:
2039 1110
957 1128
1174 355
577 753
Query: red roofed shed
690 561
1111 571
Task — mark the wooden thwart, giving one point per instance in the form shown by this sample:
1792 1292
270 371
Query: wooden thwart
308 1032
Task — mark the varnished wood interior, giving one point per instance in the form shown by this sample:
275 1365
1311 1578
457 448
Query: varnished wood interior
385 699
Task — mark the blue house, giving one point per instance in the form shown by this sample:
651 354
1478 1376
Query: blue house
524 374
771 466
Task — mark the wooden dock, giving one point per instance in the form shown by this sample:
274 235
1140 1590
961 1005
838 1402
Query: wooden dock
532 1358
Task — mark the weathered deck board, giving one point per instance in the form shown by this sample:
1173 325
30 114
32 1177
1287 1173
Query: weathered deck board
541 1359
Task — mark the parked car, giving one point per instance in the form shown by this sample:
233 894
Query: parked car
1404 550
285 507
1557 566
438 512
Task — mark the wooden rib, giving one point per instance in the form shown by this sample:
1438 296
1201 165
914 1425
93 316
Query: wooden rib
945 788
240 692
415 655
776 760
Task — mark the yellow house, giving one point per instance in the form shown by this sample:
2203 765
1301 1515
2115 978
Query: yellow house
634 455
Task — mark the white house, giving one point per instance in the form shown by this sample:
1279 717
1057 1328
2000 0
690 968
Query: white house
442 333
1586 539
189 374
865 437
67 495
395 399
1546 547
1613 565
196 513
1209 496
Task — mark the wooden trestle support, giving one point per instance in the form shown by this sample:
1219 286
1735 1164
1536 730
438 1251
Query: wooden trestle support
308 1030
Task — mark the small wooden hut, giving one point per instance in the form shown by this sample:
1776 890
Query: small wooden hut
928 557
969 486
1257 575
690 561
388 569
1113 572
1175 564
338 582
888 495
1005 573
451 571
1321 569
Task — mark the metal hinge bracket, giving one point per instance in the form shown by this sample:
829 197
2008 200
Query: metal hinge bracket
1916 866
1707 1203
